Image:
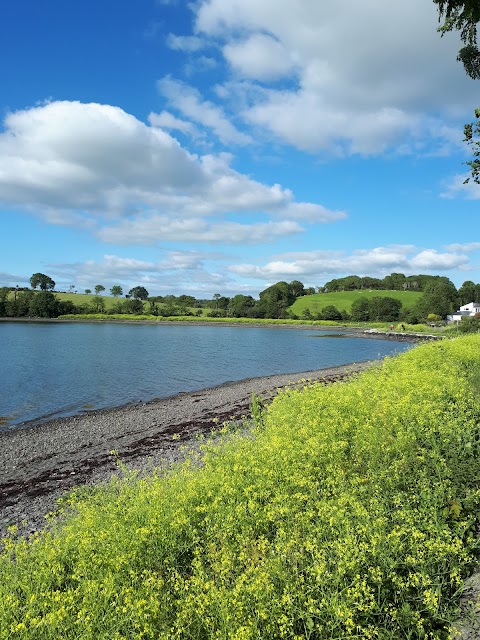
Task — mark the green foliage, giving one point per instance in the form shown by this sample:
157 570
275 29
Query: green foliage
45 283
469 292
257 410
472 138
330 312
98 289
440 297
464 16
469 325
360 309
44 304
139 293
116 290
346 515
343 300
97 304
133 306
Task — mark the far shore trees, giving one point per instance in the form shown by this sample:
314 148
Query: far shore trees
138 293
43 282
116 290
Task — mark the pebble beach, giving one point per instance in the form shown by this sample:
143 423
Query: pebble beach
40 462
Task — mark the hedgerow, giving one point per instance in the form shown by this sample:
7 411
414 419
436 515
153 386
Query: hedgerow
350 512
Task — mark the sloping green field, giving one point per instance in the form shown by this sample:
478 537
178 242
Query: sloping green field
85 298
343 300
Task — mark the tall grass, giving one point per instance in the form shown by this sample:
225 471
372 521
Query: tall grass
196 319
349 513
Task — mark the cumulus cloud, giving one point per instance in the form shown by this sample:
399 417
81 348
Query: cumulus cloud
259 57
362 75
97 167
378 261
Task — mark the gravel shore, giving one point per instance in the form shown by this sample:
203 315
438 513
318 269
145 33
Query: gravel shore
39 463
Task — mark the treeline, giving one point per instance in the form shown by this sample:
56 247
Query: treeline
469 291
440 297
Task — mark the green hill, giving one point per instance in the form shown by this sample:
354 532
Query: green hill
343 300
85 298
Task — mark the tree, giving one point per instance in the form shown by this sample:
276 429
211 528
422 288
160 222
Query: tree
134 306
468 292
330 312
440 297
297 289
97 304
99 288
88 291
4 291
241 306
383 308
464 16
360 310
472 138
45 283
394 281
138 293
275 300
44 305
116 290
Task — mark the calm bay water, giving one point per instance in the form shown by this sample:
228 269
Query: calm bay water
49 370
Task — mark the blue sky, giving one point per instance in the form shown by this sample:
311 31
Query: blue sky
220 146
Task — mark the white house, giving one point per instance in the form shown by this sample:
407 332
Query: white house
468 310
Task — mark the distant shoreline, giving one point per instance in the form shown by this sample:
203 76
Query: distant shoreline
359 332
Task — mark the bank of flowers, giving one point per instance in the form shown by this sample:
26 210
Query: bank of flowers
350 512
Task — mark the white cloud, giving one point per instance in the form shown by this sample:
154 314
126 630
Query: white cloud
457 187
363 74
259 57
433 260
466 247
189 102
380 261
149 230
97 167
167 120
185 43
199 64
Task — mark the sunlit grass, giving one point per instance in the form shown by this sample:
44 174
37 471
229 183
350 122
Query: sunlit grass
343 299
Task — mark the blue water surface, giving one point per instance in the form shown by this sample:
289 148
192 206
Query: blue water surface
49 370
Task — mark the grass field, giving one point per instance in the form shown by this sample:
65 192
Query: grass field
343 300
84 298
